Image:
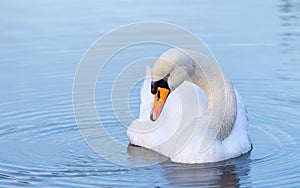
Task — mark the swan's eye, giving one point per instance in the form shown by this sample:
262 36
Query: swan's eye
166 77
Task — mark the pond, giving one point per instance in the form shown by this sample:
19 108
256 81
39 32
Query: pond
257 43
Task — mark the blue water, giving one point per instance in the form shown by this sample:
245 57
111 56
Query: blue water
257 43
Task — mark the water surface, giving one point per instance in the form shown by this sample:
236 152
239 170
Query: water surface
257 44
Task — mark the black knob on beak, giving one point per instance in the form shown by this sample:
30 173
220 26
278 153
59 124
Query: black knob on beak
153 88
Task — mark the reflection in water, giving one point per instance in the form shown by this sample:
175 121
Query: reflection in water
288 74
222 174
289 11
142 156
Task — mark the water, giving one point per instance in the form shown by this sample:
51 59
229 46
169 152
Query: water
257 44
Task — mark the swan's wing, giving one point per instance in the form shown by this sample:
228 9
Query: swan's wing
146 96
146 86
238 142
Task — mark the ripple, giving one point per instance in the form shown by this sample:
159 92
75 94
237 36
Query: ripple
45 145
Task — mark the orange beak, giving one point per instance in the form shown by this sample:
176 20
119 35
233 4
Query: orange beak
159 101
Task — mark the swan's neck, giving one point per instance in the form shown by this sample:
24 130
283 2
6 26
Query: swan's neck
222 105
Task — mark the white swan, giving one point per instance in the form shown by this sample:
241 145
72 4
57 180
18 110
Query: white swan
203 118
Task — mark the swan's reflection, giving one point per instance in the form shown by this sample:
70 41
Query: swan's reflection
140 156
221 174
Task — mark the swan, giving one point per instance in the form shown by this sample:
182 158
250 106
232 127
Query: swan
197 116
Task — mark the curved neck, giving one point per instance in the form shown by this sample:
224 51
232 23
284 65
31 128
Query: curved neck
222 105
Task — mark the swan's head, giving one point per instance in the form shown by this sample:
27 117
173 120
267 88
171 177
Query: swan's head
170 71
